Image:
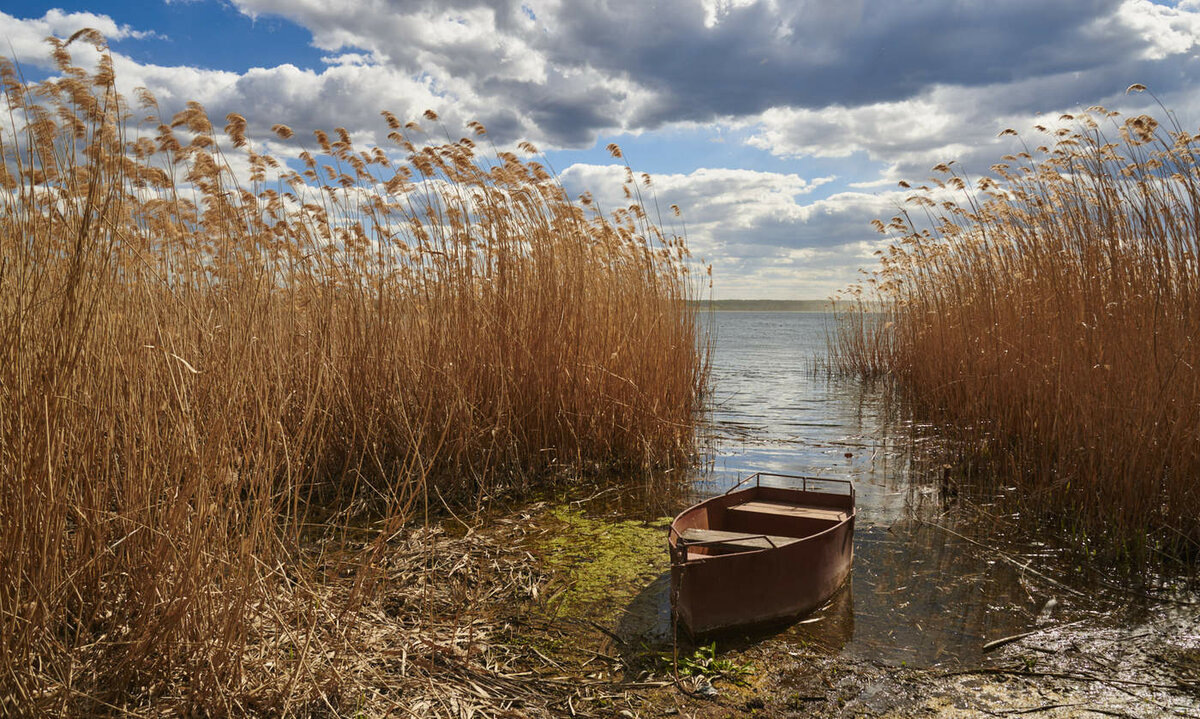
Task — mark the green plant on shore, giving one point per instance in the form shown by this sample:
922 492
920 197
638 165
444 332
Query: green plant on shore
704 662
205 349
1045 320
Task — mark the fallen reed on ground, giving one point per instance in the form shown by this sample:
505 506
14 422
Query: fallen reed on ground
196 363
1046 319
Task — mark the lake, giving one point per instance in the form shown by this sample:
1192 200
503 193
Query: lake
919 594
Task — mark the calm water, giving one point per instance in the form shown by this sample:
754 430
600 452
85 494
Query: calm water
918 593
775 411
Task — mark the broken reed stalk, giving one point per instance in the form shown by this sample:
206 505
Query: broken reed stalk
1045 319
196 362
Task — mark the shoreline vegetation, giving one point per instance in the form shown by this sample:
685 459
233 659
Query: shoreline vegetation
1043 320
766 305
235 390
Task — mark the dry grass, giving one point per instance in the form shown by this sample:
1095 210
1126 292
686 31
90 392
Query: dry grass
195 364
1047 320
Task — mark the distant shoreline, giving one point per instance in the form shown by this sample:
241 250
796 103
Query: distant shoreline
765 305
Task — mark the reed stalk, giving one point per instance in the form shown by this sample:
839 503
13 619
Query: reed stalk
1045 319
198 362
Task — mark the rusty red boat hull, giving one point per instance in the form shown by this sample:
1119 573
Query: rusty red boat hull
803 557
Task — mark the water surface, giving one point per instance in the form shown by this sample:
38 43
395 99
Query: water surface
919 593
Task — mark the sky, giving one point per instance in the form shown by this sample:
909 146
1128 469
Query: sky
780 127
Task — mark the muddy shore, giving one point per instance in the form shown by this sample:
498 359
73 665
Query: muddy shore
556 609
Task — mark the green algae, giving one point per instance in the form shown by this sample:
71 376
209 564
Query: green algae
600 564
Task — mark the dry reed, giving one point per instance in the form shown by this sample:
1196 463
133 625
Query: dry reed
1046 319
195 363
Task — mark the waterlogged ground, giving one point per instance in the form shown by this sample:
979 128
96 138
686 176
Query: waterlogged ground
936 580
602 565
602 617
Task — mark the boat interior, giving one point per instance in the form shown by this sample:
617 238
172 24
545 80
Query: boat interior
757 518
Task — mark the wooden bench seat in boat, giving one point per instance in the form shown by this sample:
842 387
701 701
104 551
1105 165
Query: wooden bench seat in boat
782 509
741 540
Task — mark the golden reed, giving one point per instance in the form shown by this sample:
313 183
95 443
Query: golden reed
195 361
1048 319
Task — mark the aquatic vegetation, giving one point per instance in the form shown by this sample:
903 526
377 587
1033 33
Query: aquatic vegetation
1044 319
204 348
601 564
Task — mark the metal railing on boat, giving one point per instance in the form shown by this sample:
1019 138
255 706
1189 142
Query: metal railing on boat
757 477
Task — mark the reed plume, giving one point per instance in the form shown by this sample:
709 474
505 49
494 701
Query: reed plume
1046 319
196 364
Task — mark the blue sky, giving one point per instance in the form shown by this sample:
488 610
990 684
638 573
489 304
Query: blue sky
780 127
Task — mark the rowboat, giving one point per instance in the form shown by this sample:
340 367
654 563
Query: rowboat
760 554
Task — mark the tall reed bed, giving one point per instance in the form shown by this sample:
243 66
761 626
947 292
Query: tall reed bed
195 362
1048 319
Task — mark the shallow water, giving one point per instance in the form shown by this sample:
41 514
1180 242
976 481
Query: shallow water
919 594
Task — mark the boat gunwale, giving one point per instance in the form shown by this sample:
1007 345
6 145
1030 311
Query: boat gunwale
676 544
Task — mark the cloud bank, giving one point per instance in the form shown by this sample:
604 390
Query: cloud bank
897 85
